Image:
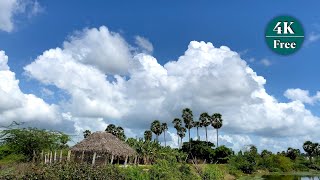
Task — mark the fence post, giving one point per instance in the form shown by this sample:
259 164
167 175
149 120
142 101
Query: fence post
50 157
69 155
111 159
82 156
55 156
94 158
125 161
135 160
41 156
60 159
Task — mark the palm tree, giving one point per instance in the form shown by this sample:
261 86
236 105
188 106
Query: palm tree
156 128
86 133
147 135
187 117
197 124
205 120
217 124
120 133
182 133
111 128
177 123
116 131
164 128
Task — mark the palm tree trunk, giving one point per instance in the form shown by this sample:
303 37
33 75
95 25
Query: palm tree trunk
181 143
189 140
206 135
164 134
157 138
178 142
198 133
217 139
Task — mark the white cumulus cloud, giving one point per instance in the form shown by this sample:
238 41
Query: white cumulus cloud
301 95
144 44
17 106
10 8
205 78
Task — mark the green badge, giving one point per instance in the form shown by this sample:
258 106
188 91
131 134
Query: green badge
284 35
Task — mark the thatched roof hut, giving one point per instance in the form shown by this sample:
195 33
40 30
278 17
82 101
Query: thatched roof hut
103 142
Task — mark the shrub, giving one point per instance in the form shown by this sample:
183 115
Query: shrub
211 172
162 169
134 172
222 154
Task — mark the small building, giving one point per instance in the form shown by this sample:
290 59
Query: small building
103 148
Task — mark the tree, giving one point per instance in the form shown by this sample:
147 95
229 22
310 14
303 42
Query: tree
120 133
116 131
292 153
310 148
197 124
156 128
164 128
30 141
111 128
86 133
217 124
182 133
187 117
205 120
147 135
177 123
200 150
222 154
265 153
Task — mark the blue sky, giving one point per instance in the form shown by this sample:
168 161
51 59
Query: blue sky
169 26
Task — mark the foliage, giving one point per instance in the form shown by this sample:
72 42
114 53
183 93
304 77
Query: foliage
156 128
116 131
171 170
5 150
86 133
187 117
246 162
200 150
212 172
205 120
292 153
217 123
28 141
222 154
150 151
147 135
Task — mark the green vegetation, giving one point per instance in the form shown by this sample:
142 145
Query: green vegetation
28 142
20 150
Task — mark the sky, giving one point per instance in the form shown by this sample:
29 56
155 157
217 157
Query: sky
81 65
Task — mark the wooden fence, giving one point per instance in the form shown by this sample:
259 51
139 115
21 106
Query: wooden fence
58 156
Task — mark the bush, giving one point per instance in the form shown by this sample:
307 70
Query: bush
162 169
245 163
276 163
134 172
211 172
222 154
200 150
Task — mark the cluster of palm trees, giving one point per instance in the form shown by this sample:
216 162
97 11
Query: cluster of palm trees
157 128
205 120
116 131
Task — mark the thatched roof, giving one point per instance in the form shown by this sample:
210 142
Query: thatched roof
103 142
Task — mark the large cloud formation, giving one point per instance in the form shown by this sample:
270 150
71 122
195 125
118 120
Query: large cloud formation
107 83
17 106
10 8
